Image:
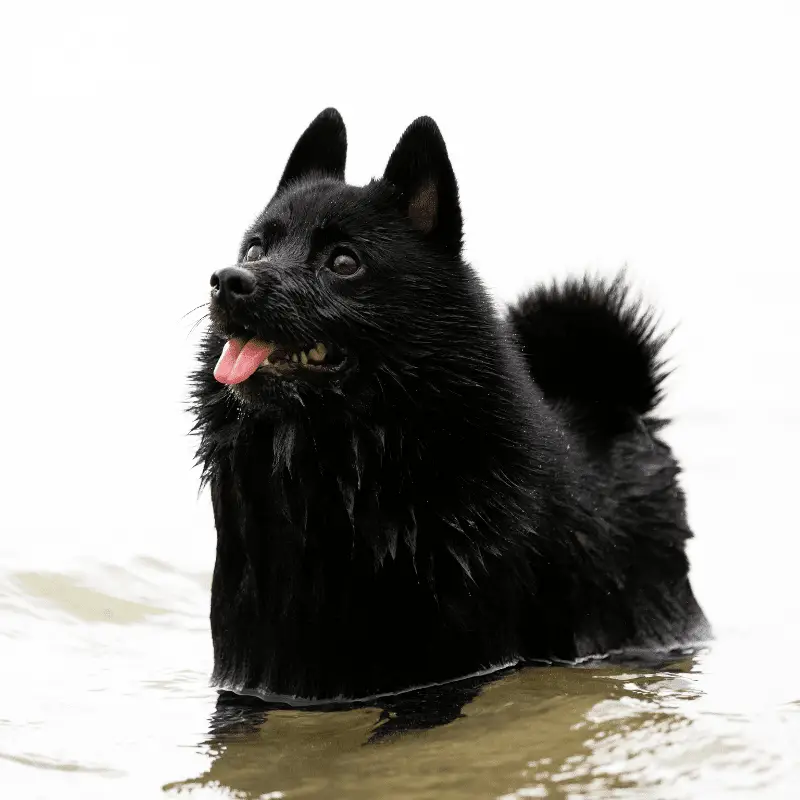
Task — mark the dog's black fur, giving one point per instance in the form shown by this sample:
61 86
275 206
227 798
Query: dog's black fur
468 491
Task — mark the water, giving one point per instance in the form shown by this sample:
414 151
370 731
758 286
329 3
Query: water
109 667
140 139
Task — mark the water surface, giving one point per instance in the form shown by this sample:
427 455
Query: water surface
106 694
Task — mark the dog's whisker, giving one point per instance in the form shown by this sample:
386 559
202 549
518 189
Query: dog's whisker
196 308
197 323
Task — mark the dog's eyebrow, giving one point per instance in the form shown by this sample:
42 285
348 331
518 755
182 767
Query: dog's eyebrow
273 231
328 233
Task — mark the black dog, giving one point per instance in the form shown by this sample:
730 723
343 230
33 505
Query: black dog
407 488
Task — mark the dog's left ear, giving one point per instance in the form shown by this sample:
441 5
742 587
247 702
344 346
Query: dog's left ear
420 169
322 149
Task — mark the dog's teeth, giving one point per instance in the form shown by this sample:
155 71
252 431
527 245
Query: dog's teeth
317 354
303 357
295 359
265 362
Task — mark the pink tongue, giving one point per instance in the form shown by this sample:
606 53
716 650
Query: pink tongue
239 360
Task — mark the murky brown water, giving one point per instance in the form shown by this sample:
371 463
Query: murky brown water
587 733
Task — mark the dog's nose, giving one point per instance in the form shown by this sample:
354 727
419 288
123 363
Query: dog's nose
232 283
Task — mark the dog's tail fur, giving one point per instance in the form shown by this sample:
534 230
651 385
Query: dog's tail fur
594 350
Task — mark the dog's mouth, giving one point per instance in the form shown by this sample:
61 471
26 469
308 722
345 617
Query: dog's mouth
241 358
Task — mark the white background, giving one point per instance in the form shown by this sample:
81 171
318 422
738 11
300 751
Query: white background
139 139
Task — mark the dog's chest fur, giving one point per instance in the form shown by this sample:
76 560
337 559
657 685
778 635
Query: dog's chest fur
321 569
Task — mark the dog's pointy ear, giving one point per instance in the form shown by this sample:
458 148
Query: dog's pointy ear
322 149
420 170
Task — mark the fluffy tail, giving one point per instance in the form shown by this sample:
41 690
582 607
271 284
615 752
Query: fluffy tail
593 349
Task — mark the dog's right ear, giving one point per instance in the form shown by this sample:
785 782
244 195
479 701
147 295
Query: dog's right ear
322 149
420 169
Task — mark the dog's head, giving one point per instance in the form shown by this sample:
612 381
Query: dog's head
343 288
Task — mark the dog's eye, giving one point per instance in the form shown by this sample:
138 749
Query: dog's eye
255 253
345 264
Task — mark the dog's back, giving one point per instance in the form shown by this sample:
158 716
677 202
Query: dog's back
596 356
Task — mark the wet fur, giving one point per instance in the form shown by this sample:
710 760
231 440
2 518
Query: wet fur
474 491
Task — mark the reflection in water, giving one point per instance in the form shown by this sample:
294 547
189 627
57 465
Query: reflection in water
582 730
